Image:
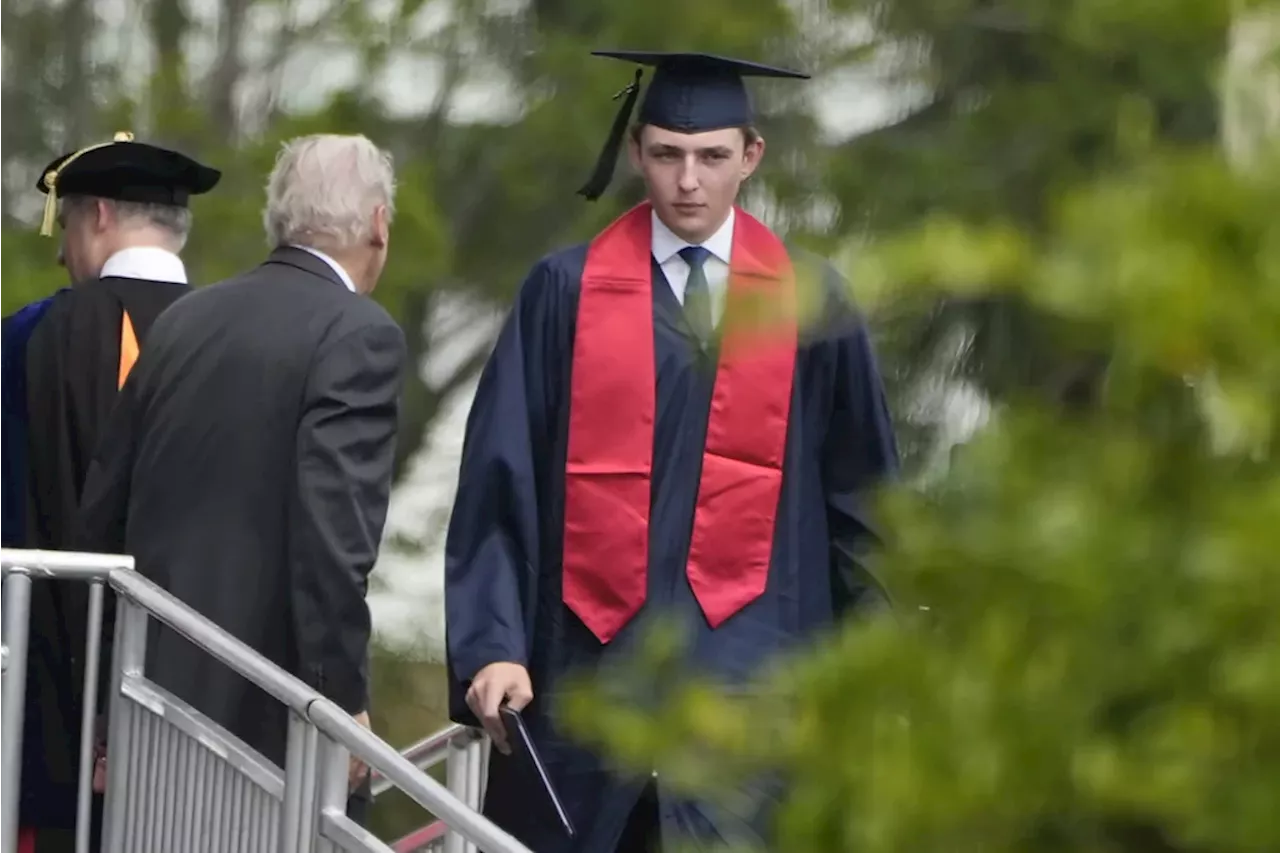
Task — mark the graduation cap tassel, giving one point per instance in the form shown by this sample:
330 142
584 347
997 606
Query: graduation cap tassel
603 173
50 204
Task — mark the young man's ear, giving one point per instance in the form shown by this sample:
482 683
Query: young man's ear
752 154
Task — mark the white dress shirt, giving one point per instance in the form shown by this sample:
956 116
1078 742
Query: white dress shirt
334 265
146 262
666 251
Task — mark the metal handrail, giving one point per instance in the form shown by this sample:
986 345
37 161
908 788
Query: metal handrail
428 752
65 565
447 746
327 717
427 792
208 636
321 712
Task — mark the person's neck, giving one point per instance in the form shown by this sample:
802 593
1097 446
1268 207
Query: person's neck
352 261
141 239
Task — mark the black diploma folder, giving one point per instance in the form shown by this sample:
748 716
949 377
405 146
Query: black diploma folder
531 770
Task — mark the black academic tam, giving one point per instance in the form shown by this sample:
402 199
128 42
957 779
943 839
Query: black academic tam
124 170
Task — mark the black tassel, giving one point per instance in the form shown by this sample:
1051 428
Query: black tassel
603 173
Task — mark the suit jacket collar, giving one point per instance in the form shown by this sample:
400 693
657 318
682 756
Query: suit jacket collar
305 261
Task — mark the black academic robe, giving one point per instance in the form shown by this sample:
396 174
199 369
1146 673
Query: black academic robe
62 360
504 548
250 476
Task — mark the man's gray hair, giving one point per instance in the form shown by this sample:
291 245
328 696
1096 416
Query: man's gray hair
324 190
173 220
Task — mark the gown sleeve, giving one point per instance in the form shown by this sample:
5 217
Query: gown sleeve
492 547
13 408
860 452
18 329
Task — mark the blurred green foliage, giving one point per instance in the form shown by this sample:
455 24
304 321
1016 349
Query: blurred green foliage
1011 104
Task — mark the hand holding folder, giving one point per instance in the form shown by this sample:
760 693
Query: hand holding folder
499 684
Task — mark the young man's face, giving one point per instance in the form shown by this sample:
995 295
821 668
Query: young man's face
693 178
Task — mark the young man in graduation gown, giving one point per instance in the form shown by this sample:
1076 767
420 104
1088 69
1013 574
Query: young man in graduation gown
122 207
248 464
631 453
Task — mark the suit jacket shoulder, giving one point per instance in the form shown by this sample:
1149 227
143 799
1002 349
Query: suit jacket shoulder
360 313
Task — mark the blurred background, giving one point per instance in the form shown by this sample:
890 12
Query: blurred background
965 123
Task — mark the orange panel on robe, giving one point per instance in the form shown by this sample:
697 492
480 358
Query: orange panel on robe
128 348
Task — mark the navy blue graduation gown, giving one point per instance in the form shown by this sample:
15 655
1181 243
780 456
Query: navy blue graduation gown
503 553
61 358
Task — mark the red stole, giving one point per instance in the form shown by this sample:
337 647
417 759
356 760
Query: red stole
611 422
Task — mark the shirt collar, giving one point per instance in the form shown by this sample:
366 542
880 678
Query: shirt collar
334 265
150 263
666 244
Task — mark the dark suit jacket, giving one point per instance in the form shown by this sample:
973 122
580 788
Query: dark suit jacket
248 470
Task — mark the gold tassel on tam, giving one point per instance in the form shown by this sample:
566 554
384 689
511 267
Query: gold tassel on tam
51 181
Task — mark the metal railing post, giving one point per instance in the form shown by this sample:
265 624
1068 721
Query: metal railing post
298 816
17 620
474 768
456 773
130 658
333 765
89 717
485 752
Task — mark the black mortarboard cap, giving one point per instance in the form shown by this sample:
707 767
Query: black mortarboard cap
689 93
124 170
